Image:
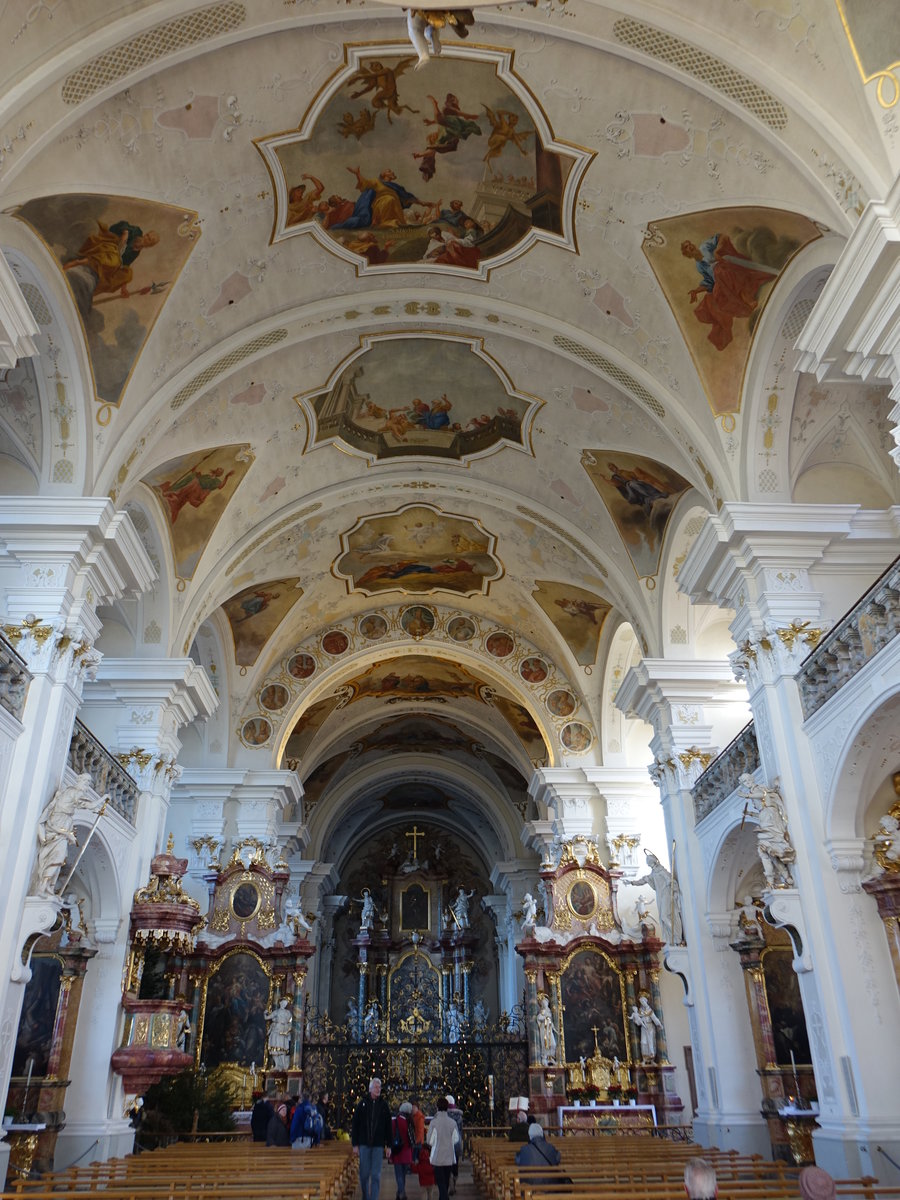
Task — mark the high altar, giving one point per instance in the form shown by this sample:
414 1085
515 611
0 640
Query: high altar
589 989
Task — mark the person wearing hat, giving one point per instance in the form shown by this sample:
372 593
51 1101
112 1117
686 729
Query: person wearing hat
455 1115
277 1129
700 1180
402 1146
536 1152
816 1184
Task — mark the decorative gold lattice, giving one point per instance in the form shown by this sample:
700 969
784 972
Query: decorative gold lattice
166 38
208 374
705 67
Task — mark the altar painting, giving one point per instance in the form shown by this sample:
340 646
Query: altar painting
640 495
785 1006
420 396
592 996
194 491
234 1021
446 168
121 257
717 270
418 550
255 613
35 1035
577 614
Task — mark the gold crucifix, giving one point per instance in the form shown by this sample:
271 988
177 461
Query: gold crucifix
595 1029
415 833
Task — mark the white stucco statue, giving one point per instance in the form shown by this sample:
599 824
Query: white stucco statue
279 1040
646 1019
529 911
293 914
546 1028
182 1031
55 831
367 916
668 898
773 841
887 843
460 907
454 1022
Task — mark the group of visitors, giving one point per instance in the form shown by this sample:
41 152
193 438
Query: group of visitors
298 1121
432 1154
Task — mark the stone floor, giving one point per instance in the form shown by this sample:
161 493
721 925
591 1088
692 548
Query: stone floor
465 1185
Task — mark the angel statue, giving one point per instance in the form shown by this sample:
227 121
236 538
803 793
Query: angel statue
773 843
668 898
529 911
55 830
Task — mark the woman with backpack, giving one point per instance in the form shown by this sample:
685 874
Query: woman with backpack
402 1146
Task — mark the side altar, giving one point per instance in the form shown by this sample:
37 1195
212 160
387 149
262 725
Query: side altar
592 996
225 994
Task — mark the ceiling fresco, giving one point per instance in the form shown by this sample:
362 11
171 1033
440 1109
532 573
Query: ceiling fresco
452 169
461 355
194 492
431 396
717 270
121 258
255 613
418 550
640 495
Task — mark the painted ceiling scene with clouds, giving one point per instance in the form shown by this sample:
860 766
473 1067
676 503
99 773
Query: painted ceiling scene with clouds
419 379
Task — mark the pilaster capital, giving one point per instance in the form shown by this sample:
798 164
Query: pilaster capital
677 697
69 558
774 564
145 702
853 333
18 328
565 795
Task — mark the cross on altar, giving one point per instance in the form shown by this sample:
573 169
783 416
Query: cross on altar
595 1029
415 833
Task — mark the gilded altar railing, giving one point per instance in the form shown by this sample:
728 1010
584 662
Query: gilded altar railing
857 637
14 679
109 777
723 774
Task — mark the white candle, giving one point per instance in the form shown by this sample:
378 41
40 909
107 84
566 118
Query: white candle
793 1064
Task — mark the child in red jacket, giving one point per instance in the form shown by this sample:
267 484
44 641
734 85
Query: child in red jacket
426 1172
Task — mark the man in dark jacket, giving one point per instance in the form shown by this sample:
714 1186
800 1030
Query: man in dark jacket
263 1112
536 1152
370 1133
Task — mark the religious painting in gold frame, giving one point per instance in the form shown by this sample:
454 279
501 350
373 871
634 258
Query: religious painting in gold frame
785 1006
592 995
236 996
581 899
415 909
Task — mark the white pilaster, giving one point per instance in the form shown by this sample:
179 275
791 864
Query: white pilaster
780 569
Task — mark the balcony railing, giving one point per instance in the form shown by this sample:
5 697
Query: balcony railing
856 638
108 776
723 774
14 680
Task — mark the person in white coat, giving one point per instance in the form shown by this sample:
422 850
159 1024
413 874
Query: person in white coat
442 1138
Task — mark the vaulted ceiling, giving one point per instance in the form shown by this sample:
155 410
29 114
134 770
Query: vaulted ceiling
417 383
